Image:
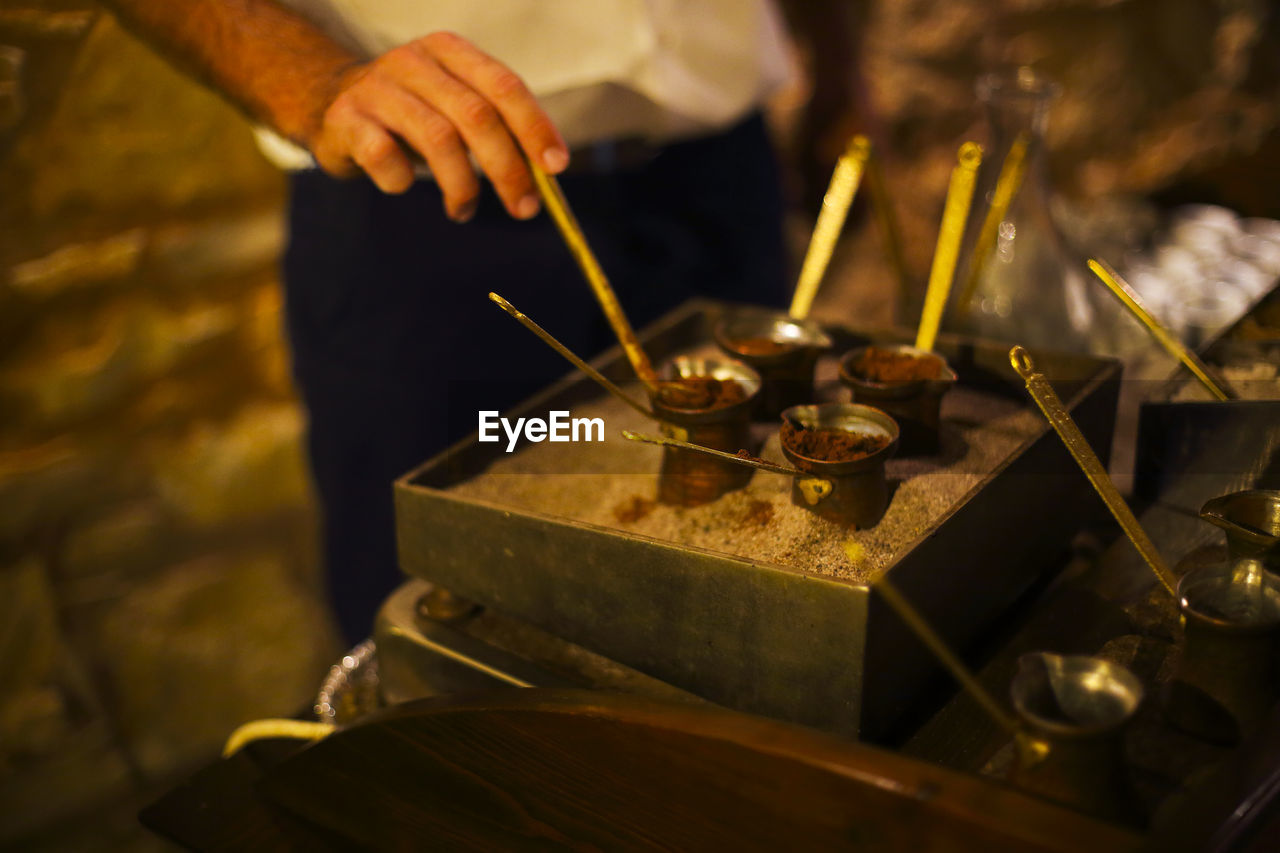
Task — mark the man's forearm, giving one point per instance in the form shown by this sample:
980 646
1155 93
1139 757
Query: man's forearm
270 61
436 97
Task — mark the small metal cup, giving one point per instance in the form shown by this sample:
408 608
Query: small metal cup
783 350
689 478
1251 520
1079 706
1225 683
853 493
916 404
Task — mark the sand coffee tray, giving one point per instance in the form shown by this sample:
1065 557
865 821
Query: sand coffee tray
750 602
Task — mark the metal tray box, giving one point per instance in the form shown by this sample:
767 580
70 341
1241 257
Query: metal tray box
764 638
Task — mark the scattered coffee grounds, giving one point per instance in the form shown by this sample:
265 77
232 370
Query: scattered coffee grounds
759 513
745 454
759 346
633 509
830 445
881 365
701 392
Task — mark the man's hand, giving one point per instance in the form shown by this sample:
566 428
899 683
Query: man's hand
440 98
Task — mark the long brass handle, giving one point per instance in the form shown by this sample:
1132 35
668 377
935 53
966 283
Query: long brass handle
571 356
749 462
950 235
553 199
1121 290
1056 414
835 207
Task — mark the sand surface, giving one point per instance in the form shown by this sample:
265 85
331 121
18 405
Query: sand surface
613 484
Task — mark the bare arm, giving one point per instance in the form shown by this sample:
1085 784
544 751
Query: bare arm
438 97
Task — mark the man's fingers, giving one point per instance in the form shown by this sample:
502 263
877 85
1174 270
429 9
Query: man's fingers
449 102
378 153
502 88
434 137
479 123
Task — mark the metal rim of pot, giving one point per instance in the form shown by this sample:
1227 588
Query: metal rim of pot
1204 581
896 390
800 336
700 367
838 416
1215 511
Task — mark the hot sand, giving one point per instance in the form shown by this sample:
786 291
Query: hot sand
613 484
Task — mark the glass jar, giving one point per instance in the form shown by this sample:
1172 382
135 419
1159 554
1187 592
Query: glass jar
1021 280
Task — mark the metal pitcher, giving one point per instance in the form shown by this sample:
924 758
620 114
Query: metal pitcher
1078 706
1225 683
689 478
852 493
1251 520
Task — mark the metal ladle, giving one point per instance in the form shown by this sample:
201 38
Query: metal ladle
786 370
1224 683
1080 705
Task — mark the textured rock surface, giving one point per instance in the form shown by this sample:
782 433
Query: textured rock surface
158 577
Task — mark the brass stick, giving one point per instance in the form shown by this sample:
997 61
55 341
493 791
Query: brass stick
553 199
571 356
1129 299
835 207
950 234
1011 174
752 462
890 236
1056 414
925 633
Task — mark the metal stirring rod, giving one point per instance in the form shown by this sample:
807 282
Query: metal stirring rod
1130 299
553 199
835 207
749 461
572 357
1047 400
947 251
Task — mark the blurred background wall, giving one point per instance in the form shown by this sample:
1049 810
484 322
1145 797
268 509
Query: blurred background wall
158 576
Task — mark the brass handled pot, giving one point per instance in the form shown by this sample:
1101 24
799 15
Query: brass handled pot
782 349
688 478
853 492
1225 682
1079 706
915 403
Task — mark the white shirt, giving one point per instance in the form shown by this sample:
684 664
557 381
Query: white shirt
602 69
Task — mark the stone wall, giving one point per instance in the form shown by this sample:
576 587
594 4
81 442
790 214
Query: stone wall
158 572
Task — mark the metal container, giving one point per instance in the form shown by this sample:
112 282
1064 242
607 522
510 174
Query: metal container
783 350
915 404
852 493
1251 520
1226 683
689 478
750 635
1079 707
